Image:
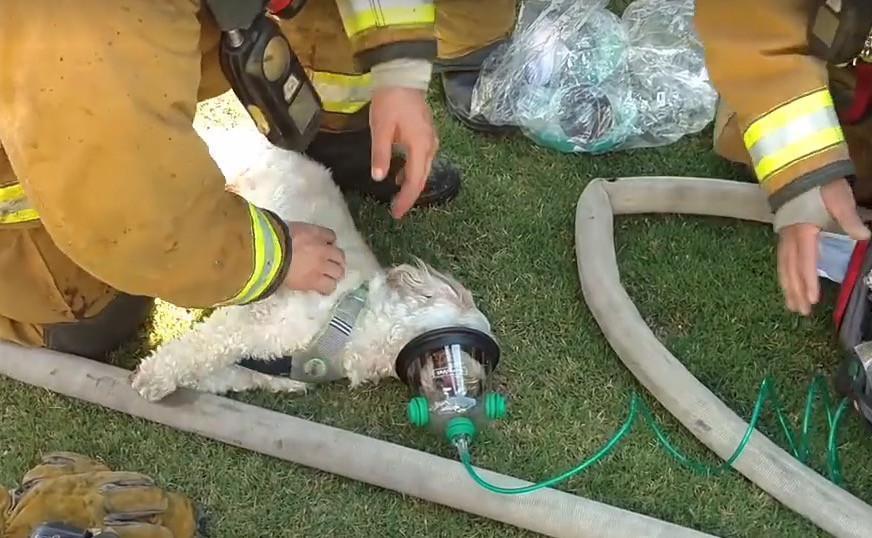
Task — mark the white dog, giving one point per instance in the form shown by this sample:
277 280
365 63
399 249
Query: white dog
401 302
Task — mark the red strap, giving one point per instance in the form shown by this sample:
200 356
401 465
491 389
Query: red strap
862 94
850 281
276 6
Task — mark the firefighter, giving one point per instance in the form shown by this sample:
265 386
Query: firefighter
777 114
108 199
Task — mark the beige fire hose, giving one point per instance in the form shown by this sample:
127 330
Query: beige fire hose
444 481
411 472
772 469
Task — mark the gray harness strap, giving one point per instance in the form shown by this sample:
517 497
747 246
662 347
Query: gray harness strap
322 362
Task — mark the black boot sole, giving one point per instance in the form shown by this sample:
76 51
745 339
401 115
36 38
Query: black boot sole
384 193
457 87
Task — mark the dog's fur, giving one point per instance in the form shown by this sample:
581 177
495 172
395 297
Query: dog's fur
404 301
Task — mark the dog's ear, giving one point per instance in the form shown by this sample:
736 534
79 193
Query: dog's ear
423 282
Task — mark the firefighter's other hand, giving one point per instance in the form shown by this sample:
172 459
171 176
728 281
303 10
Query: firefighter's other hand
402 116
317 264
798 247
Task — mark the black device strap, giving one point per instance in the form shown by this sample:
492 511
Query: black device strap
236 14
281 367
838 29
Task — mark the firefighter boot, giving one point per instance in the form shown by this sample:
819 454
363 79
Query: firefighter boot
468 33
348 155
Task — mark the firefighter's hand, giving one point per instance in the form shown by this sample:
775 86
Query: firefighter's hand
798 247
402 116
317 264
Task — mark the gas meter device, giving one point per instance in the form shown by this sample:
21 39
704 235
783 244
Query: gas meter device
264 72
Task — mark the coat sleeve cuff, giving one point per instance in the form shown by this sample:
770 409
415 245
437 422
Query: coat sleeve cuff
402 73
380 53
797 146
818 177
281 228
271 257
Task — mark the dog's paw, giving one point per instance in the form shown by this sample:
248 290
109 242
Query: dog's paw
152 388
277 384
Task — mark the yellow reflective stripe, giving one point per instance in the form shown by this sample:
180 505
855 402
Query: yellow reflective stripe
267 258
357 21
792 132
784 114
11 193
343 94
14 207
338 107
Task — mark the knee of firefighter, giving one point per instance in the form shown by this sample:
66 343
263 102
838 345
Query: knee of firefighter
24 334
727 140
40 285
466 26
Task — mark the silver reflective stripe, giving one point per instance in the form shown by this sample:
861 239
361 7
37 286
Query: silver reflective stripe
14 206
271 254
794 131
342 93
334 93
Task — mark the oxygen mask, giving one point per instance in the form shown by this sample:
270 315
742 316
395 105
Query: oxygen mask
449 372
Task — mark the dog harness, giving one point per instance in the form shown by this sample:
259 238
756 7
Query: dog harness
322 361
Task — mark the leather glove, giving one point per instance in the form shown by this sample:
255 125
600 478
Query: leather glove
83 493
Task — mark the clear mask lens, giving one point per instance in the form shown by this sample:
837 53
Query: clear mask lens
452 378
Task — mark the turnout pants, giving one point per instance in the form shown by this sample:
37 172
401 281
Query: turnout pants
46 300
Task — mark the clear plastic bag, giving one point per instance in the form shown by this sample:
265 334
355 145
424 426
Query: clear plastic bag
577 78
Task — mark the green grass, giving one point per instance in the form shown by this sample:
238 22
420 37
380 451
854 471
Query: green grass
706 286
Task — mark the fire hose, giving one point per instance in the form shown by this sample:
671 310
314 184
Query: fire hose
404 470
782 476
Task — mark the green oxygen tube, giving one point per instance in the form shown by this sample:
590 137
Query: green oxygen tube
798 442
449 372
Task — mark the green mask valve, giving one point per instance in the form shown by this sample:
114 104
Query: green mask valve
418 412
458 428
456 424
495 406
